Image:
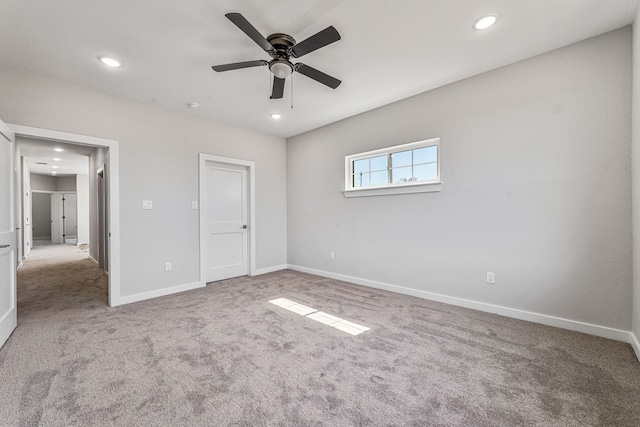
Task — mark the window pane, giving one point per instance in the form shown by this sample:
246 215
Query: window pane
361 166
401 175
403 158
428 172
379 178
379 163
425 155
361 180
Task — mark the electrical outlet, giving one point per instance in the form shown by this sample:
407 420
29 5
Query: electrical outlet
332 255
168 266
491 277
147 204
194 205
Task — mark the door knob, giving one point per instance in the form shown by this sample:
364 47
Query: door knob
4 246
244 227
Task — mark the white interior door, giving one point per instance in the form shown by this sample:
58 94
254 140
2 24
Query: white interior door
70 216
57 224
8 292
225 208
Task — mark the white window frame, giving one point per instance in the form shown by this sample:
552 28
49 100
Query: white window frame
390 188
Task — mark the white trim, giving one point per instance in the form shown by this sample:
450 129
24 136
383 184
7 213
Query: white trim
113 165
429 187
270 269
93 259
558 322
160 292
635 344
348 169
251 170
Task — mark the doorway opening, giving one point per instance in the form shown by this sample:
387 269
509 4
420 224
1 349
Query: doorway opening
85 216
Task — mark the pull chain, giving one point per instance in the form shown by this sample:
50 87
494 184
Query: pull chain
291 94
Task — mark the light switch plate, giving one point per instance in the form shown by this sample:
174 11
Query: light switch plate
147 204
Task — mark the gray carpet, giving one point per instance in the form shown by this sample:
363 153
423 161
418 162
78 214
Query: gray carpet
223 355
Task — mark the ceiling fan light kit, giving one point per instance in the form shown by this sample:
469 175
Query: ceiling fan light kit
281 68
282 48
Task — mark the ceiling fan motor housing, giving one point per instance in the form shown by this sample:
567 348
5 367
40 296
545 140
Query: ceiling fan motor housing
281 43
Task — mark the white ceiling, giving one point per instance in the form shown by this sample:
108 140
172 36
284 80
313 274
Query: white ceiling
74 159
389 50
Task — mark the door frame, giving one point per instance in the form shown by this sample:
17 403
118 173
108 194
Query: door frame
9 319
113 166
103 226
251 196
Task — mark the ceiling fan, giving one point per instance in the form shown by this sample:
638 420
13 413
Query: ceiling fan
282 47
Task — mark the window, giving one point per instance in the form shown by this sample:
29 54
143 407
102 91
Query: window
399 167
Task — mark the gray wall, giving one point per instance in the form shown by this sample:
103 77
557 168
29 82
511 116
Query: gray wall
41 213
158 161
43 182
53 183
536 188
66 183
636 178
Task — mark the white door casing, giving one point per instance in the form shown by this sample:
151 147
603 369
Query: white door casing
227 247
8 291
27 210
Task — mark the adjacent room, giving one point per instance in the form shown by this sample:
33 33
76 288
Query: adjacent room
320 213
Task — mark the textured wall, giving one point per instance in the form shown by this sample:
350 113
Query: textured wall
536 188
158 161
636 179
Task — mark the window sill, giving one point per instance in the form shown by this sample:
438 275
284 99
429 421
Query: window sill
431 187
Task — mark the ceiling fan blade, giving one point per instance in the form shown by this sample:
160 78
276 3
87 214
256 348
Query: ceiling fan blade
238 65
318 76
316 41
278 88
250 30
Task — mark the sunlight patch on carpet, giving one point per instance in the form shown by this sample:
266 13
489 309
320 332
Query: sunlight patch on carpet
319 316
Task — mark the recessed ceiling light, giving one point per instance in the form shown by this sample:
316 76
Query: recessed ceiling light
485 22
110 62
55 167
56 159
276 116
59 150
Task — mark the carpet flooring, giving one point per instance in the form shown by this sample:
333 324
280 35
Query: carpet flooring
224 356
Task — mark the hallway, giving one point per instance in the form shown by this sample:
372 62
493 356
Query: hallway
59 277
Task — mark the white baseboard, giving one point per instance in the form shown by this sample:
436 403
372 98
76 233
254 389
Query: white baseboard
635 344
260 271
20 265
158 293
93 259
558 322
